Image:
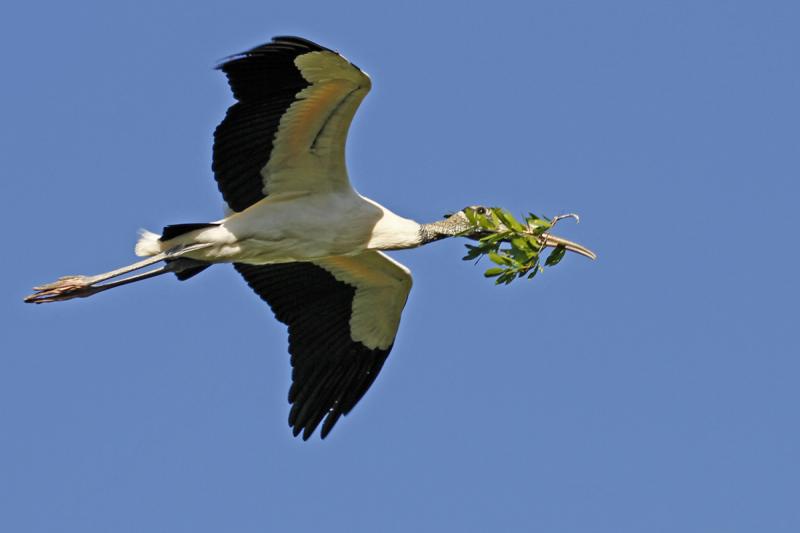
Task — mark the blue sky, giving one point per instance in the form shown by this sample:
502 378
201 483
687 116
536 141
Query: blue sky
652 390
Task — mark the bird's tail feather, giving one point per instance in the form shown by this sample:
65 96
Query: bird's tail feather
148 244
151 244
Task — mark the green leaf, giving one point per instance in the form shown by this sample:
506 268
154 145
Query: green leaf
470 213
492 272
540 224
508 220
493 238
473 252
484 222
505 277
524 244
556 255
533 242
520 256
500 259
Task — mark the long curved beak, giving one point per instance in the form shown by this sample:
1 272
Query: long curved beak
552 241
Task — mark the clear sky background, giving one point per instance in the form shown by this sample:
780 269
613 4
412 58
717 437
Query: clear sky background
654 390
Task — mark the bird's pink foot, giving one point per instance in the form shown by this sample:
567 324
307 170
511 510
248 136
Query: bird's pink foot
64 288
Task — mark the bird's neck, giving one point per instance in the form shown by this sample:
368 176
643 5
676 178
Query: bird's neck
393 232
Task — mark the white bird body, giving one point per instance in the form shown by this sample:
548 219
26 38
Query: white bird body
295 227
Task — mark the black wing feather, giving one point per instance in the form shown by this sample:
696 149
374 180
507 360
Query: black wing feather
331 372
264 82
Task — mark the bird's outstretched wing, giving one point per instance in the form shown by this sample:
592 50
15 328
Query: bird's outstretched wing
287 130
343 313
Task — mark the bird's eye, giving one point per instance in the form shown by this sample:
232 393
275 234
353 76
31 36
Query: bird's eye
481 210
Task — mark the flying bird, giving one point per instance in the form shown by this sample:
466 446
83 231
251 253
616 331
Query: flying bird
296 230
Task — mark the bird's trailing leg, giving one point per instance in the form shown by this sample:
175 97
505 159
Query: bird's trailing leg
69 287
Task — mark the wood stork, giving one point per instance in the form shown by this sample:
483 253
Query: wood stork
303 239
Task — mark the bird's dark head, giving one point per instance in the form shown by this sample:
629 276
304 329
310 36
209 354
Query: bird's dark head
464 221
458 224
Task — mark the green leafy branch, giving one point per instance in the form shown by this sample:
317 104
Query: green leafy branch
515 247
